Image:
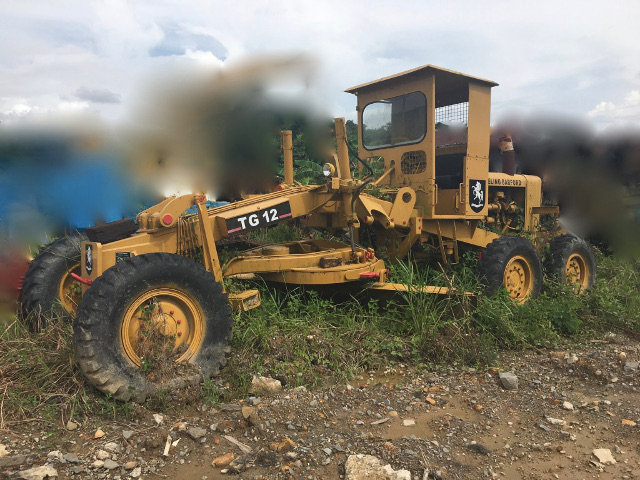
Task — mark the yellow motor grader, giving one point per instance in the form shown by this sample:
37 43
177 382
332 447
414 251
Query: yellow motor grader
158 282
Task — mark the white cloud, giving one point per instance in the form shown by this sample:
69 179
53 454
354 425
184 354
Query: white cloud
563 61
626 111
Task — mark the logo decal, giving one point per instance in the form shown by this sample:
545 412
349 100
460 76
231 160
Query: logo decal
477 190
88 261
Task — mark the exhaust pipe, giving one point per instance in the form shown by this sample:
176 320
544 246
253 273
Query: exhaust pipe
508 156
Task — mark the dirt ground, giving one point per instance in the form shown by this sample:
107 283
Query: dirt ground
457 423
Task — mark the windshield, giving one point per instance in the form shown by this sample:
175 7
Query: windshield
395 121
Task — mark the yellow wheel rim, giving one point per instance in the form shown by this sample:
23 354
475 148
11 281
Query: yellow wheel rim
518 278
576 271
70 290
162 321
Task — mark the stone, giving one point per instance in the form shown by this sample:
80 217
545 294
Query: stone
476 447
509 380
130 465
604 456
567 405
555 421
102 455
136 472
158 418
38 473
13 461
127 434
110 464
631 366
71 425
99 434
196 433
265 385
368 467
98 464
224 460
627 422
250 414
112 447
572 359
285 445
71 458
409 422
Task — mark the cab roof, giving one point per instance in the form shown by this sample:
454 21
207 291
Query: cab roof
446 80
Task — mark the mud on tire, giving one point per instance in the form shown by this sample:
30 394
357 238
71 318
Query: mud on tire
134 301
514 263
571 261
47 289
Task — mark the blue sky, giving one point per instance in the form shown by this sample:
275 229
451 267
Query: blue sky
579 59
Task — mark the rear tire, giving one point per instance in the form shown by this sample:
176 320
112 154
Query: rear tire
48 290
146 312
512 263
572 262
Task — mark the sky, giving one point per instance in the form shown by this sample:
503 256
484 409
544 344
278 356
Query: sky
576 59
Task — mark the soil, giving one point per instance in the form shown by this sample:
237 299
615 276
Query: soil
465 425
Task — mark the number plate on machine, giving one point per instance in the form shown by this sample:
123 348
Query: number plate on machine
260 218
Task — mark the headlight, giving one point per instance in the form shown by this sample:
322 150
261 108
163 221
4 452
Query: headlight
328 170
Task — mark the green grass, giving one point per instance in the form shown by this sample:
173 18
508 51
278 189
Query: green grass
305 339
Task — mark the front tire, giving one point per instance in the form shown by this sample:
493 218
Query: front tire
48 289
152 322
572 262
512 263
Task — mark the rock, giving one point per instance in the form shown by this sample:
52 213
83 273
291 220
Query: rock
112 447
604 455
38 473
71 458
409 422
55 455
572 359
136 472
110 464
98 464
224 460
14 461
130 465
630 366
127 434
3 451
158 418
629 423
476 447
265 385
368 467
72 425
327 451
99 434
196 433
509 380
282 446
567 405
250 414
555 421
102 455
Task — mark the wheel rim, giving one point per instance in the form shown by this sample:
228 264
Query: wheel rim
518 278
162 321
576 271
70 291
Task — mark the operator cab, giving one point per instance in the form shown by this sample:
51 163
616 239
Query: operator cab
431 127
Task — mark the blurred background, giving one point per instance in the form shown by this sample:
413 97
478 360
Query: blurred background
107 107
